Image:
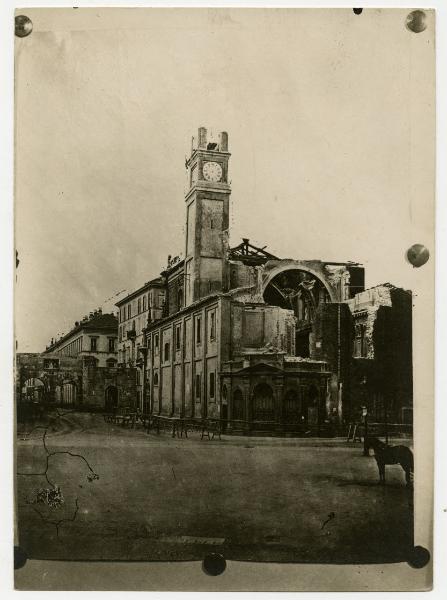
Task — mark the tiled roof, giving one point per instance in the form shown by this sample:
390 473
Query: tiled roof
96 322
103 321
157 282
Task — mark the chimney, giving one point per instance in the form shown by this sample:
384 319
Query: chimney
99 311
223 141
202 137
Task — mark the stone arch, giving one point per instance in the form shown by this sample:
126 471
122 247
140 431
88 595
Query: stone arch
69 392
263 403
111 398
293 409
296 265
238 405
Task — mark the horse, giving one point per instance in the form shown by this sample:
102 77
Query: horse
391 455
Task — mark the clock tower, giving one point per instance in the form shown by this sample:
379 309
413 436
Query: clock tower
207 216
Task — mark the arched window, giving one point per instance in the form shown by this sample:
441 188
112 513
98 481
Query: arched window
166 352
237 412
224 393
155 378
263 407
111 362
292 411
180 298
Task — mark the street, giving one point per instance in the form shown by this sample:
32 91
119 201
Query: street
127 495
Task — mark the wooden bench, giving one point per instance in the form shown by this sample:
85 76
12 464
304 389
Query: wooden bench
213 427
160 422
181 426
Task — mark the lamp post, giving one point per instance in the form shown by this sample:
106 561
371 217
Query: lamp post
365 434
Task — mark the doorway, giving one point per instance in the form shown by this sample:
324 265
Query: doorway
68 393
111 399
263 405
238 413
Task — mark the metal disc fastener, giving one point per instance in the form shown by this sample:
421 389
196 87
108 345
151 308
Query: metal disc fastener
20 557
214 564
23 26
416 21
418 255
418 557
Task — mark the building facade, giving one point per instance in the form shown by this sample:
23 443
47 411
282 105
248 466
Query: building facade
46 380
94 339
382 354
135 312
268 345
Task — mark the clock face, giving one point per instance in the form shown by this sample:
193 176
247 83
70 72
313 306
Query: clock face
212 171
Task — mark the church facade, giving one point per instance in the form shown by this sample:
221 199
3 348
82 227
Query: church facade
262 343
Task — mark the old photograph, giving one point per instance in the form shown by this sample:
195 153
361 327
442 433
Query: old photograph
224 283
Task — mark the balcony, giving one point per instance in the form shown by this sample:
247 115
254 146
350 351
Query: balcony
132 334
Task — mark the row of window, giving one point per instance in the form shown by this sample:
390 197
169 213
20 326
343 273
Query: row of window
75 347
94 344
136 325
178 335
128 354
72 349
143 303
92 361
198 384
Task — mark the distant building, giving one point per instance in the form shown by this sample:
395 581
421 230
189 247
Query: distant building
54 379
94 339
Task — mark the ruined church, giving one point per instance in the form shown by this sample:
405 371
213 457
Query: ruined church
267 345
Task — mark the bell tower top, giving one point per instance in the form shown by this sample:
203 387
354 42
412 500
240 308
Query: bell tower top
202 143
208 163
207 216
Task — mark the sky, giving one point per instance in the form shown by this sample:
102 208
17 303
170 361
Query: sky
330 118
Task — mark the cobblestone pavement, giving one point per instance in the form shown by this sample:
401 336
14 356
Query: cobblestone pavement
127 495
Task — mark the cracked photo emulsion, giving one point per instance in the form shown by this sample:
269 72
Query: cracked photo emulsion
224 314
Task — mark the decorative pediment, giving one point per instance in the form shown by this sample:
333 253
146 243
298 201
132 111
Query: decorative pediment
261 368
